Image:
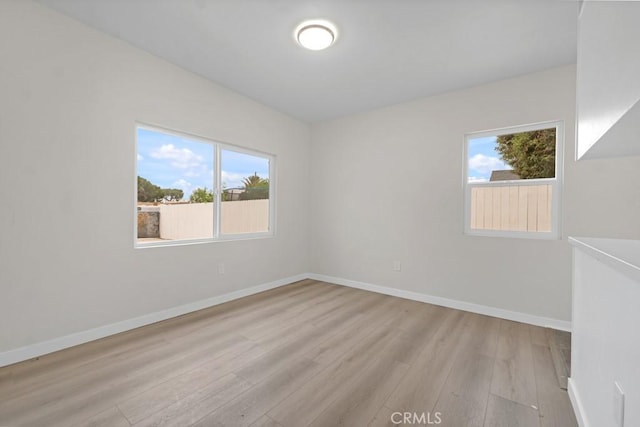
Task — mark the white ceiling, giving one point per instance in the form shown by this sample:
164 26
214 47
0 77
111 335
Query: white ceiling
387 51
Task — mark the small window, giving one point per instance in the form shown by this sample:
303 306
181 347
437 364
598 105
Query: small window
190 189
512 181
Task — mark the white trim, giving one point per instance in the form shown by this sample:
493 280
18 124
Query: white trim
217 185
622 255
513 182
218 147
273 189
556 183
535 235
39 349
271 158
513 129
200 138
578 408
531 319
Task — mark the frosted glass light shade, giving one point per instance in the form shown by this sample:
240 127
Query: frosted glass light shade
315 35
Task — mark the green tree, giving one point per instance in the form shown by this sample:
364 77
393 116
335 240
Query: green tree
252 181
148 192
530 154
255 188
173 193
201 195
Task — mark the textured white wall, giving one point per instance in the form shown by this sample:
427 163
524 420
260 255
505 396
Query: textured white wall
373 176
69 100
604 349
607 79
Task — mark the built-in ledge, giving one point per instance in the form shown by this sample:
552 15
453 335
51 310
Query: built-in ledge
620 254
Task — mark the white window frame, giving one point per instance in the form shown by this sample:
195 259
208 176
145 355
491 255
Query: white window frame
217 189
556 183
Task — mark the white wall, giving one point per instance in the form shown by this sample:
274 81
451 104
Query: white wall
605 348
607 79
370 172
69 100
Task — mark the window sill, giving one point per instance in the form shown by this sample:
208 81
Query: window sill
158 243
513 234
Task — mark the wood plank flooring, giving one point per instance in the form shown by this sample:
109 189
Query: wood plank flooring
306 354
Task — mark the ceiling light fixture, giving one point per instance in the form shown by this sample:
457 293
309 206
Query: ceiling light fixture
316 35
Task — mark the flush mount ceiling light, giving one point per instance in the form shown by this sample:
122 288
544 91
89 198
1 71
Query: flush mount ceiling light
316 35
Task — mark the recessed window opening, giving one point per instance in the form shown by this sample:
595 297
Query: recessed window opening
512 181
190 190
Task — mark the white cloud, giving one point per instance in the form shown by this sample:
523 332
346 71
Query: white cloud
195 171
485 164
182 158
232 180
478 179
182 183
185 186
140 157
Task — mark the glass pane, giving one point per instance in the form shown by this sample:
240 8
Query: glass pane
175 182
512 157
521 155
245 194
512 208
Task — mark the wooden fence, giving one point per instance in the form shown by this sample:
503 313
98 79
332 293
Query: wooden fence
512 208
195 220
244 216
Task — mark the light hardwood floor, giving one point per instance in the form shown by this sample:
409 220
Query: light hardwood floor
307 354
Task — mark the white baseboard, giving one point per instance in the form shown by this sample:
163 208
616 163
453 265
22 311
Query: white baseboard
546 322
39 349
578 409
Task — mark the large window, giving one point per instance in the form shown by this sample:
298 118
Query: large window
190 189
512 181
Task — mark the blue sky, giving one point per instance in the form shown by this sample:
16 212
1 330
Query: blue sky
176 162
483 158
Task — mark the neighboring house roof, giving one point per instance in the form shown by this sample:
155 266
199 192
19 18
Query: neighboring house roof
503 175
233 194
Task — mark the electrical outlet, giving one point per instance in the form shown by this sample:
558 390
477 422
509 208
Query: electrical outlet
397 266
221 268
618 404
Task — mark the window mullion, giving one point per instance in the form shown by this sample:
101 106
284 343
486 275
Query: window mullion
218 191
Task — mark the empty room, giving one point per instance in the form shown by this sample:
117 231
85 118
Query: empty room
290 213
